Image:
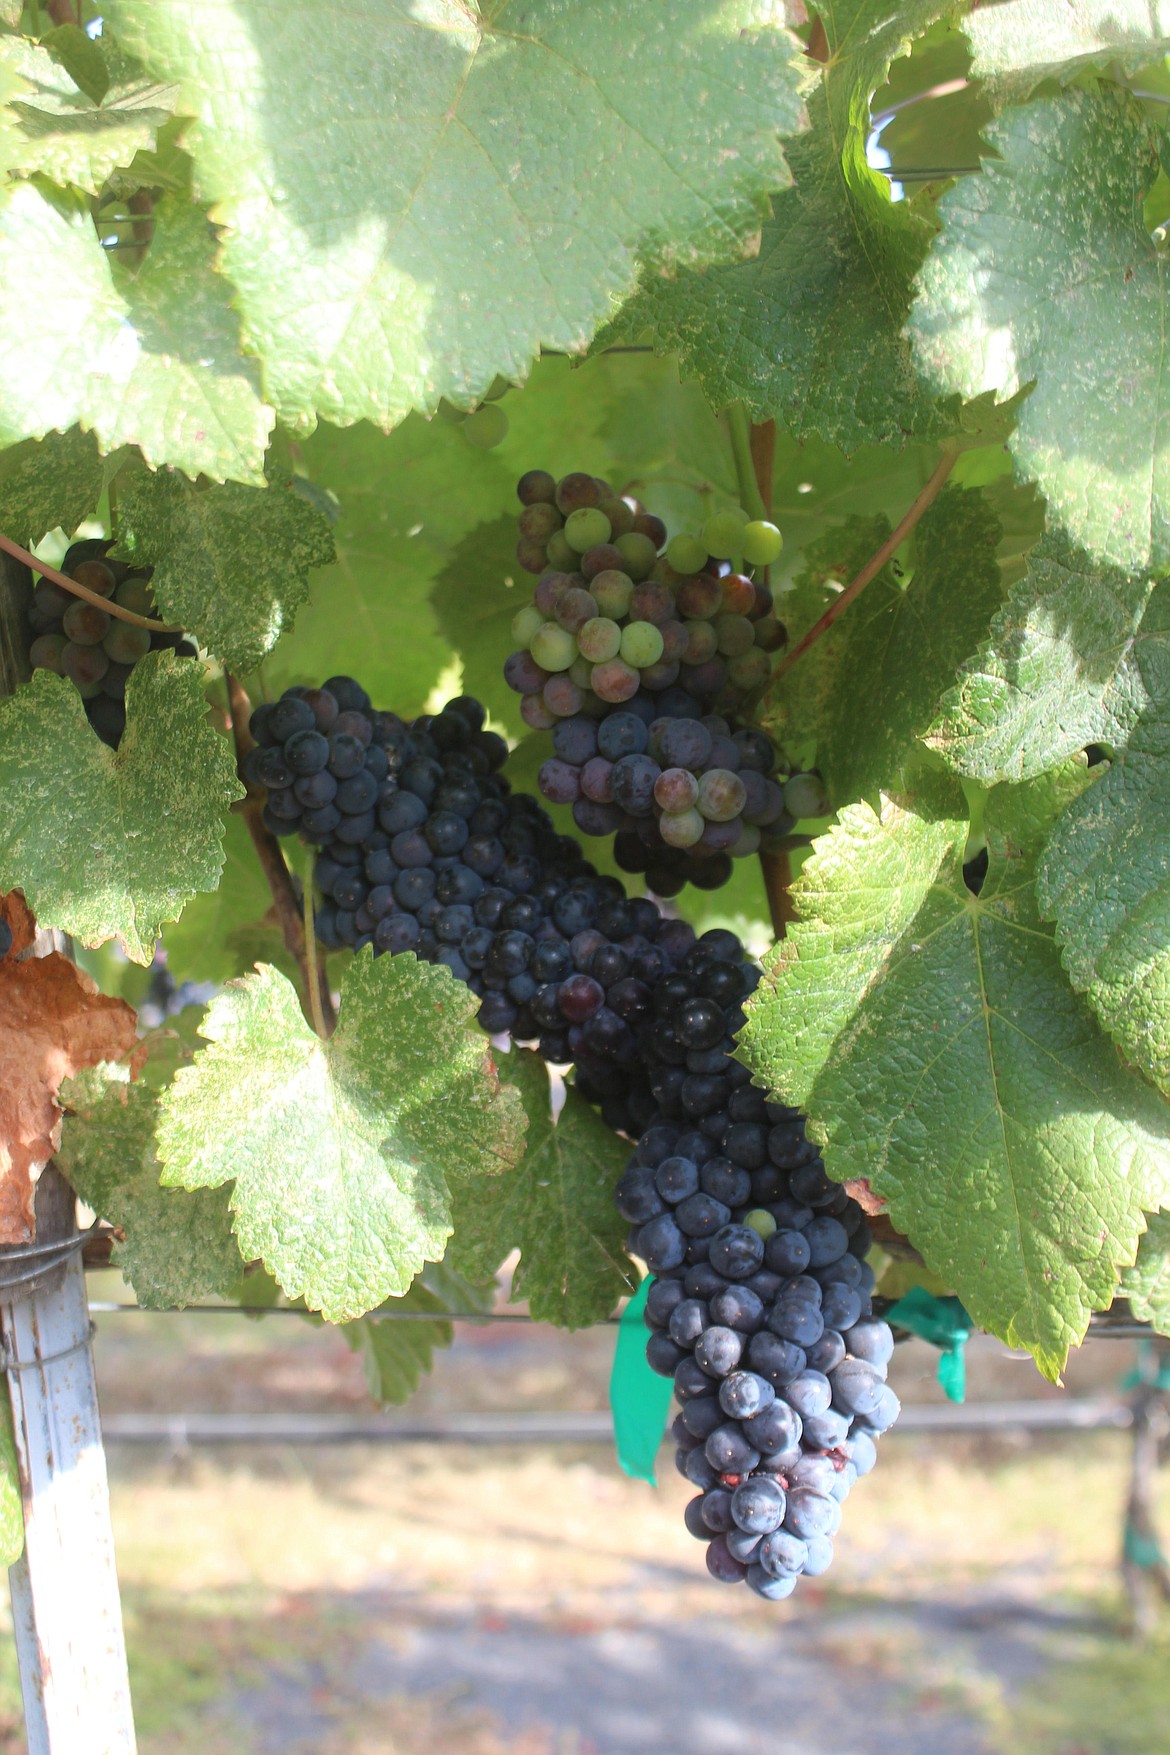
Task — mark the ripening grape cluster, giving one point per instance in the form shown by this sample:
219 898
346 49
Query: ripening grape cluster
95 650
760 1308
636 654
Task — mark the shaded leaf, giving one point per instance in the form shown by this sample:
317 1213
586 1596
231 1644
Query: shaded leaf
1016 46
1146 1285
48 482
53 127
555 1206
396 1354
176 1247
231 562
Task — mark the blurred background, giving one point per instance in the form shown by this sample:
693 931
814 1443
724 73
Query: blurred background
513 1594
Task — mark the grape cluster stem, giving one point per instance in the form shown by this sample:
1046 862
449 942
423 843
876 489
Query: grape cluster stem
106 604
314 983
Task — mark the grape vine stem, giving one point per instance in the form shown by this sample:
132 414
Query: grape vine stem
874 565
322 1015
320 1023
740 429
111 608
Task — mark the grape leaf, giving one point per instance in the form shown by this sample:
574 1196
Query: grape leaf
475 598
106 842
146 356
177 1247
898 647
1057 672
1146 1284
1033 270
44 483
1017 45
1104 877
555 1206
202 945
387 257
53 128
960 1073
809 331
343 1151
397 1353
231 562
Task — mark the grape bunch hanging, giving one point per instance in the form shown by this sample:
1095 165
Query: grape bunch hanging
637 655
93 649
760 1307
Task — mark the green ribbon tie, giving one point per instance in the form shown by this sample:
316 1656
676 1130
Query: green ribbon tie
945 1324
640 1399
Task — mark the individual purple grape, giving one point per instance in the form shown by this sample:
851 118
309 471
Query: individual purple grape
559 782
523 674
614 681
562 696
633 781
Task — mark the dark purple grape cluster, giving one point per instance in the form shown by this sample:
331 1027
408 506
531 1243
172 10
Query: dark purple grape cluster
95 650
760 1305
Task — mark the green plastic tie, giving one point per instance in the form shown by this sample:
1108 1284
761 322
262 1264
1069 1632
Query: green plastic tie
640 1399
1143 1551
945 1324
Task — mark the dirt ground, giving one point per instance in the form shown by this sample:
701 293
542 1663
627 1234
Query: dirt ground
477 1600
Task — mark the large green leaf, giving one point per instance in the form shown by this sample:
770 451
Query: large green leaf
956 1068
1017 45
1058 670
50 127
408 212
214 936
342 1152
898 646
231 562
556 1207
147 356
1055 278
1105 874
106 842
48 482
810 330
175 1247
1146 1285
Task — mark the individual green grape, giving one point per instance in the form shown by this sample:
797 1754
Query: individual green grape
641 644
581 672
498 387
683 828
85 624
723 534
85 666
640 554
762 543
734 635
560 555
615 681
722 795
686 554
761 1221
553 648
136 596
585 528
447 411
675 790
613 591
487 427
748 843
525 623
599 639
805 796
750 670
45 652
126 644
621 516
702 642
